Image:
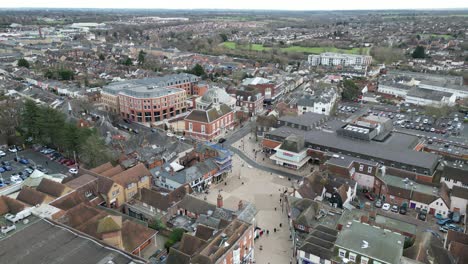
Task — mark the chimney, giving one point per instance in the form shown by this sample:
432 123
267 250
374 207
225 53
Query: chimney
240 205
172 171
220 201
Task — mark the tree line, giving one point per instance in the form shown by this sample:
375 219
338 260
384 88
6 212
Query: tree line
47 126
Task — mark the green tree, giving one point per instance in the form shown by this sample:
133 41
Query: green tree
23 63
224 37
94 152
419 53
350 90
141 57
197 70
174 237
66 75
102 57
127 62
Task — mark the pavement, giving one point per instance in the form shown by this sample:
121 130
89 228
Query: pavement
263 189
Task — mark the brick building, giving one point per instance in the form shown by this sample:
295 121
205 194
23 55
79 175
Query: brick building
207 124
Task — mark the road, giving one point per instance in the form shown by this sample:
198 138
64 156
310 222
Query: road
242 132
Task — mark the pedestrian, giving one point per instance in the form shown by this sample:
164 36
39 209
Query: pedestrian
274 229
47 163
281 225
280 200
275 208
268 232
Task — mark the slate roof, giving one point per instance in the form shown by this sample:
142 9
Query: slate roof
456 174
460 192
204 232
209 115
132 175
161 201
196 205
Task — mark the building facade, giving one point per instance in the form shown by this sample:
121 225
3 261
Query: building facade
335 59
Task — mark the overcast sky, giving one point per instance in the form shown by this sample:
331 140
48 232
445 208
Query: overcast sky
243 4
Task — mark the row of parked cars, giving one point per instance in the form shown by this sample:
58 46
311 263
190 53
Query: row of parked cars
54 155
448 223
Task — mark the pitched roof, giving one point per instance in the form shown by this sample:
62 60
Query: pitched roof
103 167
131 175
9 205
196 205
31 196
208 115
204 232
81 181
161 201
459 192
423 198
175 256
191 244
51 188
133 235
456 174
112 171
109 224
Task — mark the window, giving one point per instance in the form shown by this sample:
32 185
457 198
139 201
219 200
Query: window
364 260
361 167
342 253
190 126
369 169
352 257
203 129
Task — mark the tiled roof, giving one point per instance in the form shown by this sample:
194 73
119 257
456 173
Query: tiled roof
81 181
460 192
204 232
134 235
131 175
196 205
103 167
51 188
9 205
31 196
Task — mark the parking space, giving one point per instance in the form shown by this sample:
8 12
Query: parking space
20 164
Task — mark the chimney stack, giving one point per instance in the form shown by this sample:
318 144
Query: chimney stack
220 201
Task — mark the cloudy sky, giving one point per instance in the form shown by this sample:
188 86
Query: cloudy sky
243 4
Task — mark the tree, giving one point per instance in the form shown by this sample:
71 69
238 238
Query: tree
419 53
94 152
127 62
197 70
350 90
23 63
141 57
102 57
224 37
174 237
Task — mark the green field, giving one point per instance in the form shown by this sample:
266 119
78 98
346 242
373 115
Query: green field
445 36
298 49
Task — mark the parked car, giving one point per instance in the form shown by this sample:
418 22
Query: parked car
6 229
444 221
378 203
29 170
395 208
2 153
24 161
443 229
170 134
221 140
403 210
422 215
16 179
73 171
17 217
8 168
369 196
2 170
12 149
386 206
6 163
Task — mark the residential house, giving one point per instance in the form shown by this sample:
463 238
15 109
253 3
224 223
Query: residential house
317 247
459 200
455 176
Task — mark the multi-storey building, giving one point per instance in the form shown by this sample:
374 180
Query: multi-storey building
335 59
150 99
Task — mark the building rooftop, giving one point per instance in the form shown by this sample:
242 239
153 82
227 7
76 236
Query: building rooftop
48 242
374 242
404 184
397 151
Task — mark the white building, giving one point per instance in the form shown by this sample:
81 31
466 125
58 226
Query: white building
459 200
335 59
319 102
215 96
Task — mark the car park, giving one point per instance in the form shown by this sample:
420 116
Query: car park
386 206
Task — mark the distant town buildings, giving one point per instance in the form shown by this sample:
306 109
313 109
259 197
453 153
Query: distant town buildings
335 59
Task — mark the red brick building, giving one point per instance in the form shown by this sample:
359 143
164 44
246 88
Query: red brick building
207 124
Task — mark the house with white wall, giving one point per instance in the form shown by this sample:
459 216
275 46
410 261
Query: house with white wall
459 200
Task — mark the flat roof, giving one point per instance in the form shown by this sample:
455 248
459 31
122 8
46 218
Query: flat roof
44 242
418 187
383 245
396 224
394 149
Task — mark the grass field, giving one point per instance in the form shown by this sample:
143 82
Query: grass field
445 36
298 49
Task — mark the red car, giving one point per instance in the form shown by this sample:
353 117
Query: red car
69 163
369 196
